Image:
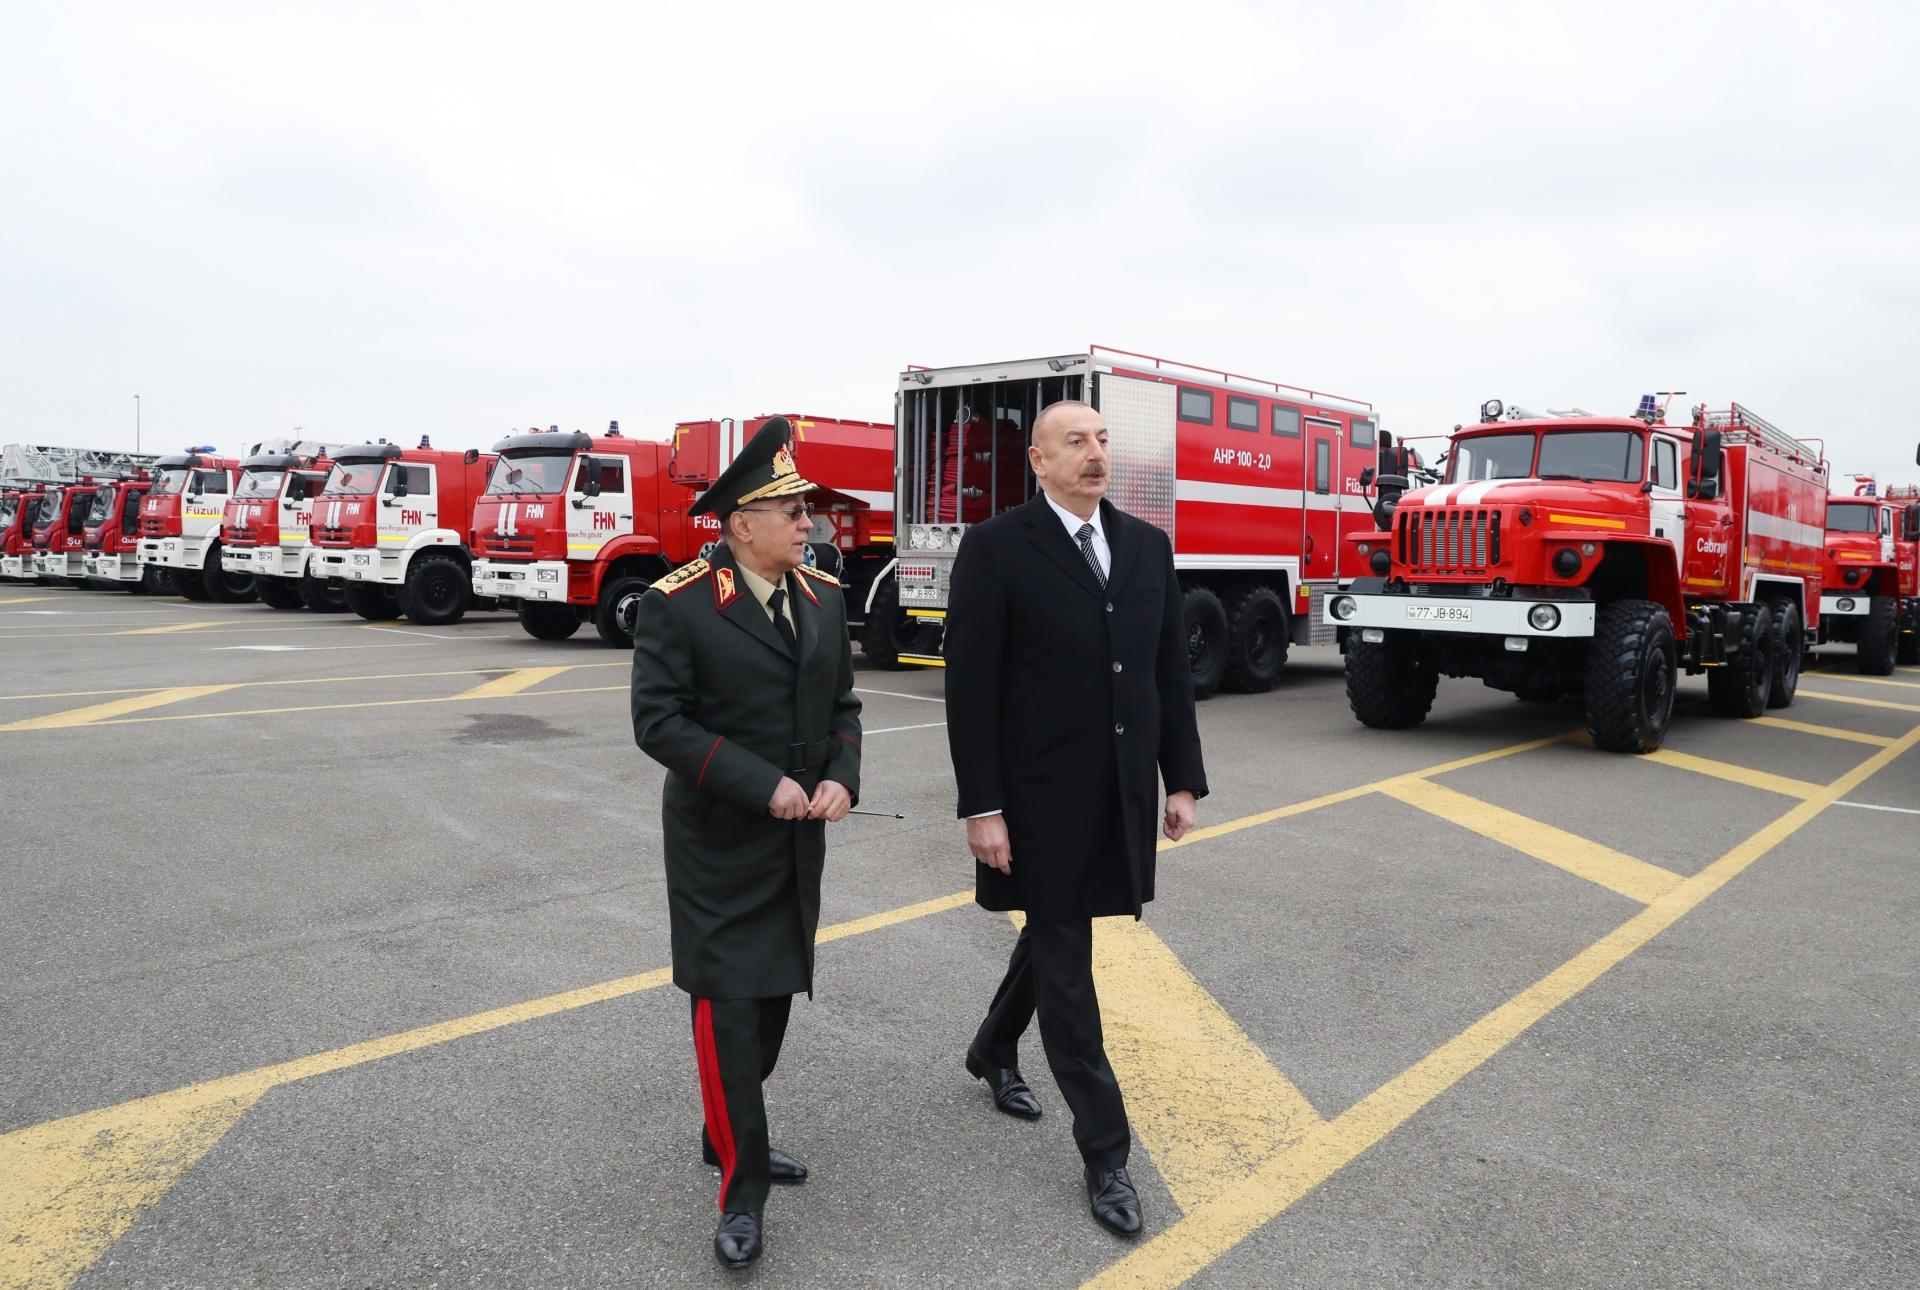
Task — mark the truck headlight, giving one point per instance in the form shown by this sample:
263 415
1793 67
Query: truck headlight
1543 618
547 575
1844 604
1344 607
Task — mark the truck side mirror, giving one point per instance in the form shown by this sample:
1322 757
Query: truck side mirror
397 486
1910 523
1366 478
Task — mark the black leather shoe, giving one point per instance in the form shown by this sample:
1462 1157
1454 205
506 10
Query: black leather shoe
782 1168
736 1242
1010 1092
1116 1205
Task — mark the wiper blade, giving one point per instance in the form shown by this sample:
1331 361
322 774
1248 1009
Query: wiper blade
1585 479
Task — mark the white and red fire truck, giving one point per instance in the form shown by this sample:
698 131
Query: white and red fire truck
266 525
1255 481
180 524
392 525
574 527
1871 592
112 535
19 507
1594 556
59 539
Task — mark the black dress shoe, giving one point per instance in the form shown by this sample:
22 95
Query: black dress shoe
781 1167
1116 1205
1010 1092
736 1242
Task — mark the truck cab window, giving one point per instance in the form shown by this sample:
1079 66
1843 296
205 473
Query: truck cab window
611 474
210 481
1666 465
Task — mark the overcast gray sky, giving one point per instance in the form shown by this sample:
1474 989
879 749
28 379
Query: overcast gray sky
388 219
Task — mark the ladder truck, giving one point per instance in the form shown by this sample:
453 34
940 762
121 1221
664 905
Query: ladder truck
112 535
59 542
1598 557
19 508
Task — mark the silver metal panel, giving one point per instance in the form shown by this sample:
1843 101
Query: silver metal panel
1140 435
988 373
1319 630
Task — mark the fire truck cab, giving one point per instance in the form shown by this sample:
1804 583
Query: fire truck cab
1572 554
112 534
19 508
573 528
266 530
1256 483
180 524
392 525
59 532
1871 592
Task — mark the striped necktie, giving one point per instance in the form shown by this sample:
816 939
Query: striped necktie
1086 548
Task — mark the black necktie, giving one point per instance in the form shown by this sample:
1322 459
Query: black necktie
1086 548
775 602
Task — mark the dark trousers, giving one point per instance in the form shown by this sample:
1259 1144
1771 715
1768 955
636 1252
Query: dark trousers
1052 971
737 1042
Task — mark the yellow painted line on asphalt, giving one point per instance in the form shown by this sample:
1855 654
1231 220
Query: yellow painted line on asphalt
1617 872
1855 679
26 600
95 713
1781 784
1830 732
1207 1104
169 628
1804 693
1205 1233
1348 794
512 683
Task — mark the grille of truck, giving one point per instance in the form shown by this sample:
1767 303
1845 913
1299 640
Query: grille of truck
1448 539
501 544
153 526
325 535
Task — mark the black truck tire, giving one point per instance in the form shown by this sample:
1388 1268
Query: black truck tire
1907 653
547 622
1630 677
437 590
1256 639
619 606
1879 637
323 595
887 633
1205 621
372 601
1742 686
279 593
1789 651
157 581
223 587
1389 686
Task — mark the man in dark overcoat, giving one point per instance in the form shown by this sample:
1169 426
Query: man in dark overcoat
1069 701
743 689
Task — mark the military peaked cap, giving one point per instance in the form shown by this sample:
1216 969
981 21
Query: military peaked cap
763 469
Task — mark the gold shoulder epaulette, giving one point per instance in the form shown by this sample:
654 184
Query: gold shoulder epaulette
819 575
684 576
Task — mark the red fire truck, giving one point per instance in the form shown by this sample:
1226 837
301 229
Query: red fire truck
19 508
266 526
112 535
59 532
574 527
180 520
1871 595
1255 481
392 524
1579 554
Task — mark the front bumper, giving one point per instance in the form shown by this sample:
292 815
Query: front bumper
1461 615
66 564
1843 605
14 566
264 561
521 580
360 565
111 568
173 552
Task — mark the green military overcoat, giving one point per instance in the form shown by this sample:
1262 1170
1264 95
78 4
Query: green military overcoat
720 700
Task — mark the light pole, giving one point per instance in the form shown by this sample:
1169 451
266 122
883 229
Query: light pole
136 424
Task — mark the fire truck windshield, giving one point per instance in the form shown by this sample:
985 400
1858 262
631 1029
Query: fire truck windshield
9 507
354 478
260 483
1491 456
544 472
102 507
170 482
1852 517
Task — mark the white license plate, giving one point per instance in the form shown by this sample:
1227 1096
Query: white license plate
359 559
1439 614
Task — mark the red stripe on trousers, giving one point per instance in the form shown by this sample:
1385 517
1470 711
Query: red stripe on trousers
713 1095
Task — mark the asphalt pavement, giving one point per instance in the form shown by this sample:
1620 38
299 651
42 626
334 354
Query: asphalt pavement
333 954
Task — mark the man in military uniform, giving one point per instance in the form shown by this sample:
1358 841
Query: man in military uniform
743 690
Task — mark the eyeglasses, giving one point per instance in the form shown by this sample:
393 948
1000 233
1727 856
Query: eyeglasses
795 513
